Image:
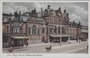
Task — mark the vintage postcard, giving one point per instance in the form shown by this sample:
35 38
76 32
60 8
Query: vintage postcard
44 27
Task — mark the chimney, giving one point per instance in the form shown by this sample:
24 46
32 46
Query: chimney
34 10
48 7
64 11
67 14
19 12
60 10
15 14
10 14
41 9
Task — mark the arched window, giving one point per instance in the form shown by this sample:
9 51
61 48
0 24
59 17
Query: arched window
59 29
43 30
34 30
55 30
63 30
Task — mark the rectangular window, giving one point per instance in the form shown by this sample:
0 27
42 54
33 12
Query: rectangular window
29 30
63 30
38 31
7 29
51 30
16 29
42 30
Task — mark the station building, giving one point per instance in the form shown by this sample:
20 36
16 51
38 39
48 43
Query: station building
48 25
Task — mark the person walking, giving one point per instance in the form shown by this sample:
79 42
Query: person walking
26 42
11 46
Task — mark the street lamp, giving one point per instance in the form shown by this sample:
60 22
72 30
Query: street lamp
47 40
78 32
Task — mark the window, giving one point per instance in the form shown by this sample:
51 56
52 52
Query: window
59 29
7 28
55 30
63 30
29 30
34 30
42 30
38 31
51 30
16 29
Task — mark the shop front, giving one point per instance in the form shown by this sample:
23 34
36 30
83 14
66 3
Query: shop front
59 38
17 41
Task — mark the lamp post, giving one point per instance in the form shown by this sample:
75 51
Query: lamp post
78 32
47 39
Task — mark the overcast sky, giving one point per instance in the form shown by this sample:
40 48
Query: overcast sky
78 11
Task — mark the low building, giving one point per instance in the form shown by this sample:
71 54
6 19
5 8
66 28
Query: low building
84 33
74 30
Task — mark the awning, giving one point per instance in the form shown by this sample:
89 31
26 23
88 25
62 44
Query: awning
19 37
60 35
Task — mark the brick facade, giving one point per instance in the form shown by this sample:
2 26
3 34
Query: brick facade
36 26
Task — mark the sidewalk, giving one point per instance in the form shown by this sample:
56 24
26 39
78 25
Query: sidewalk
58 44
64 45
43 45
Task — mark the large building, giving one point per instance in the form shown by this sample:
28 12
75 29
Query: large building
48 25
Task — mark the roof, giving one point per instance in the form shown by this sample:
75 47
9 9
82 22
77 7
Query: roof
7 14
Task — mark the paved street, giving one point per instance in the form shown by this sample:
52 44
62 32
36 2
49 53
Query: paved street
73 47
81 51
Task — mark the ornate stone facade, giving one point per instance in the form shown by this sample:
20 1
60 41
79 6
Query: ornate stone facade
40 25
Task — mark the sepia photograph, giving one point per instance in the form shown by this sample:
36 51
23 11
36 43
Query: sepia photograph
45 27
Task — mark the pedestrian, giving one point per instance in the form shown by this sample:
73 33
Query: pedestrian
87 47
11 49
11 46
43 39
26 42
77 39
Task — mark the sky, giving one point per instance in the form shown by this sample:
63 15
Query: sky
78 11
